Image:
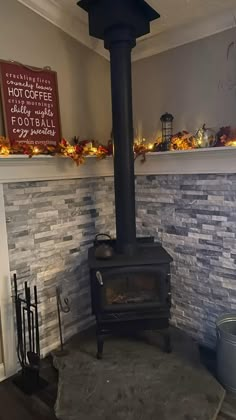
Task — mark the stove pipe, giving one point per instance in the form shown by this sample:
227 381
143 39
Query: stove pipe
119 23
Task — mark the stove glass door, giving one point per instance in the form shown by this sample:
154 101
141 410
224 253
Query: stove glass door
133 287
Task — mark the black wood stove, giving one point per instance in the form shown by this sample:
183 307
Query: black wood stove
130 290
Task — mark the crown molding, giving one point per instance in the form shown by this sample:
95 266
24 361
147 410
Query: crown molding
72 25
169 39
154 44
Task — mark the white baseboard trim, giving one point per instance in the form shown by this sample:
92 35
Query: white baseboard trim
2 372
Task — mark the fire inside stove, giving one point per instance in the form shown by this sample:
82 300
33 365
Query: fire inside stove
133 289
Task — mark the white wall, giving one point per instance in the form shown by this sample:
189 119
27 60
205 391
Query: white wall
83 76
195 82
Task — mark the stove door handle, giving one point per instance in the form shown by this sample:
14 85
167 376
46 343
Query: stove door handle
99 278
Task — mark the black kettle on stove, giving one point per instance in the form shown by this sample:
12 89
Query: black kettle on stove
103 251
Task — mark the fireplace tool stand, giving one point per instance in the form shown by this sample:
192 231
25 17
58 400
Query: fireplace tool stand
28 341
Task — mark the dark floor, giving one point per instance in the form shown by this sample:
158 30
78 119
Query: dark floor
16 405
208 358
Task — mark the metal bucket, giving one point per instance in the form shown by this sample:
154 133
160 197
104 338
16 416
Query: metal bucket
226 351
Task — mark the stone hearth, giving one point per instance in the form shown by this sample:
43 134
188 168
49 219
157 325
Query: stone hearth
136 381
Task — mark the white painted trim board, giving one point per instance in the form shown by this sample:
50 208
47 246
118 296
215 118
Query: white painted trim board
201 161
6 303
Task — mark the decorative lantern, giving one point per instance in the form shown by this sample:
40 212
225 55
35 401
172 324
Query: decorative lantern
167 129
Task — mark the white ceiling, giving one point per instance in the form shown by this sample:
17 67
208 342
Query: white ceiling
181 21
175 13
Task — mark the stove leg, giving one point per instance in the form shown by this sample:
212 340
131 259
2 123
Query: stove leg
167 342
100 342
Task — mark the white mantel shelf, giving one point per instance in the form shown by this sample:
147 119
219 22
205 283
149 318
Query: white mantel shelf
19 168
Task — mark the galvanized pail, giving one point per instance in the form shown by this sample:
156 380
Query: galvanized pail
226 351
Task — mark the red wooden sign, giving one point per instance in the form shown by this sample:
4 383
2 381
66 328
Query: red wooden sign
30 104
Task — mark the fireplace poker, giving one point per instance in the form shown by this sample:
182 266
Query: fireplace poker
20 346
28 304
64 309
36 322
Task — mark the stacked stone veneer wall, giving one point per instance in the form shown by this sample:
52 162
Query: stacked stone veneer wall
194 216
52 224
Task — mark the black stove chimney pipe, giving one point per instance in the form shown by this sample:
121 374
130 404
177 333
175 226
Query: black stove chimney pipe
121 88
119 23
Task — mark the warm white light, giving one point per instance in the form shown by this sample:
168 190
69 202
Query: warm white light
231 143
89 145
4 150
70 149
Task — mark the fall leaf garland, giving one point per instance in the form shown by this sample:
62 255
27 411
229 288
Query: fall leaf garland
80 149
77 151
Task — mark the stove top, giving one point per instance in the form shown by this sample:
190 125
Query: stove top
147 253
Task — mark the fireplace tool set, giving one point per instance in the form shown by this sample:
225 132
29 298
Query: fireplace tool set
28 343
